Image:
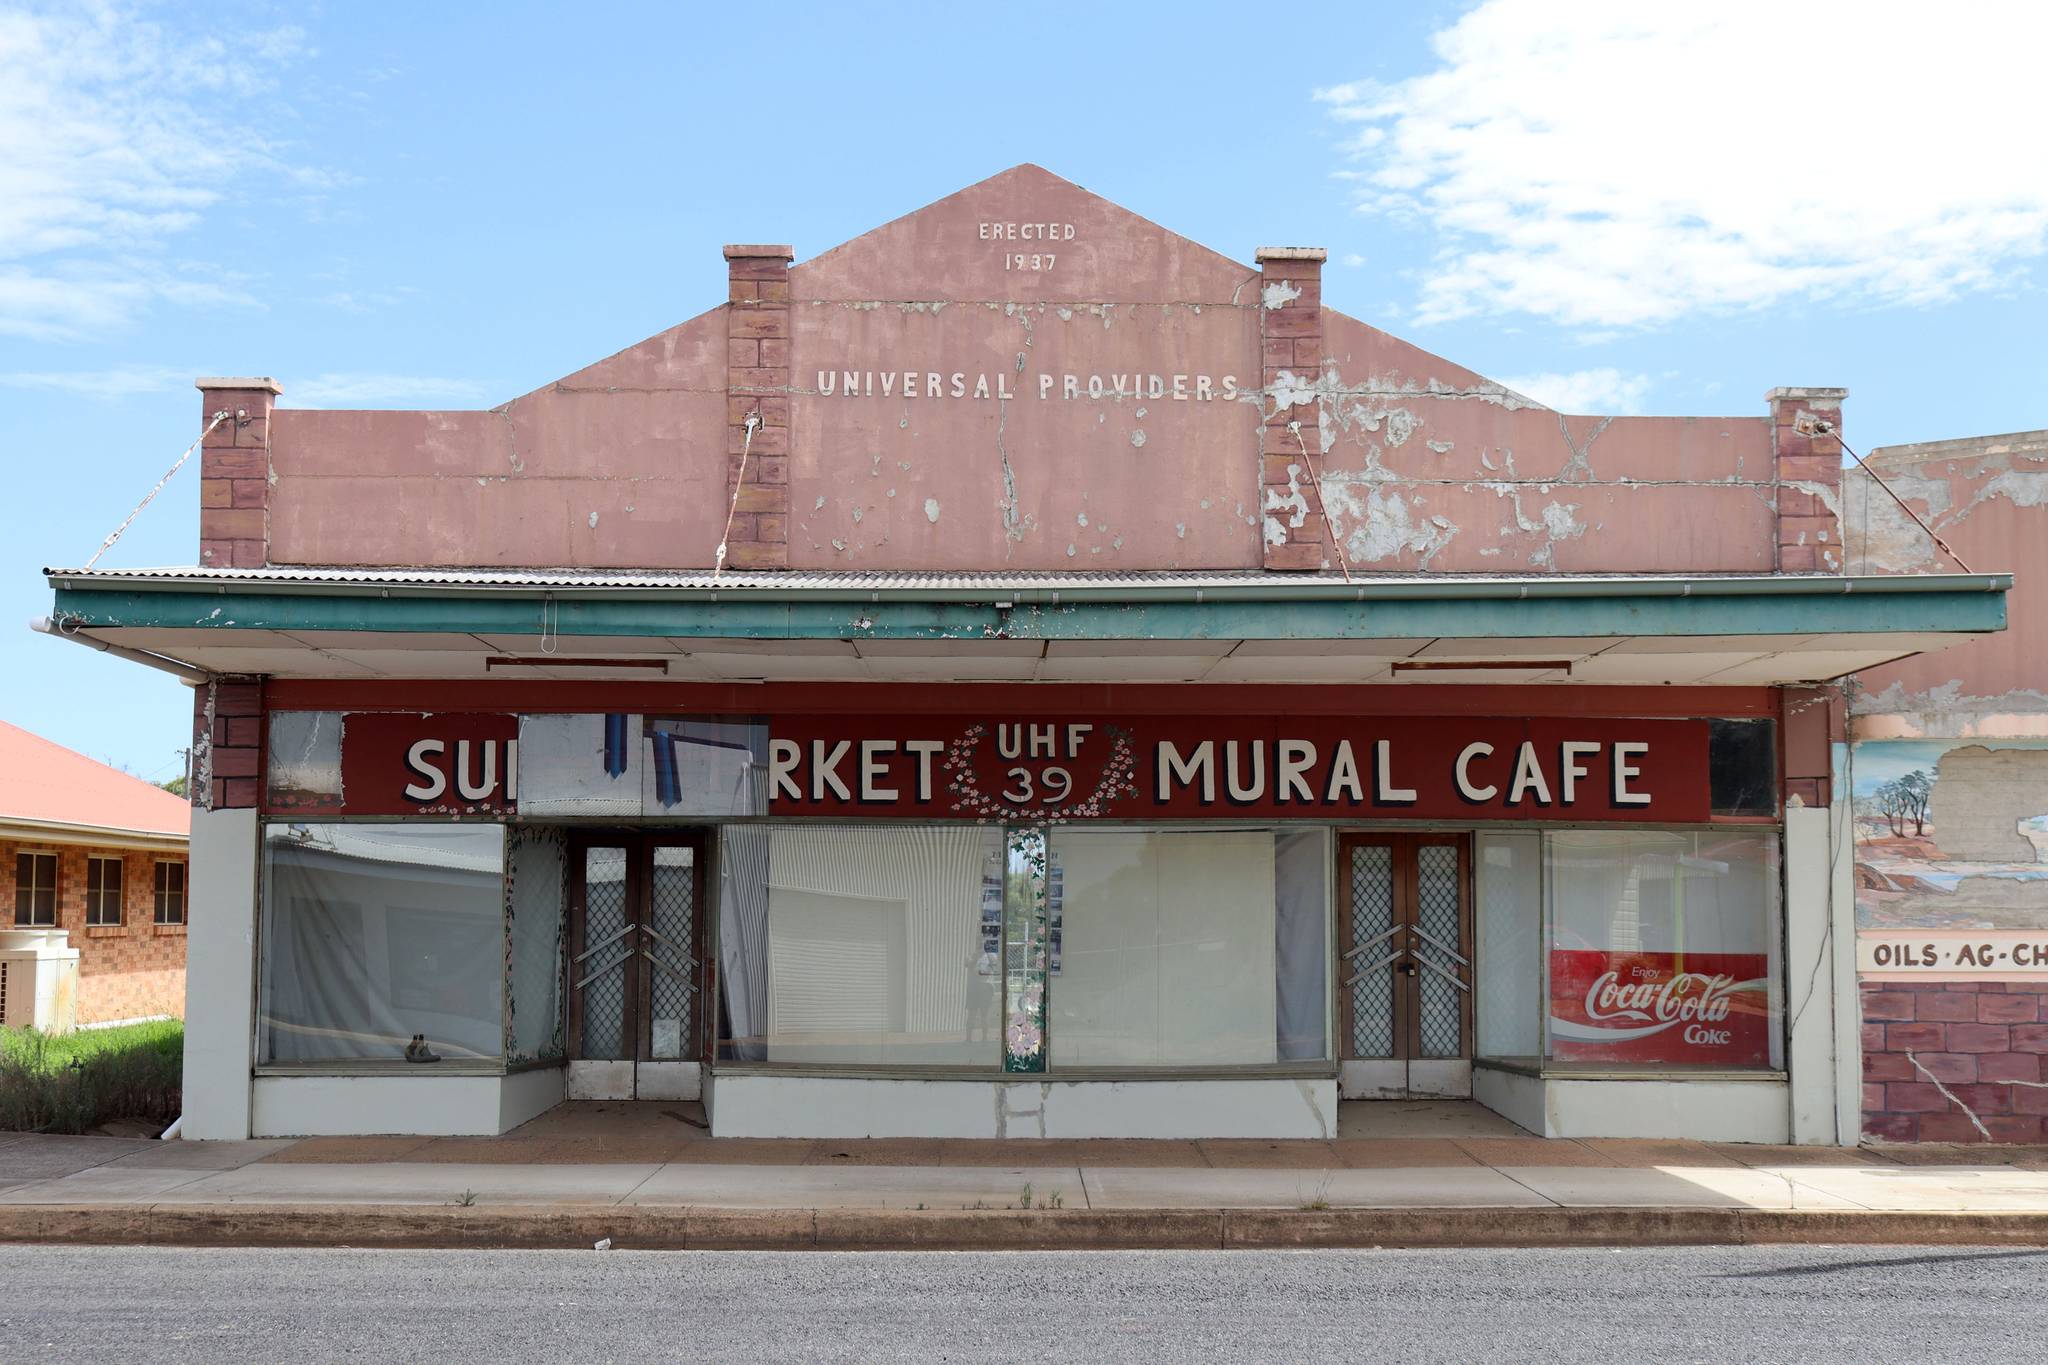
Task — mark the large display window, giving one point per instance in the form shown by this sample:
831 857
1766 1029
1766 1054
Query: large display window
382 943
1664 948
991 949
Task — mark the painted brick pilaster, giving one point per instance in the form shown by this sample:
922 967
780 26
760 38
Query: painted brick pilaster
757 385
1806 427
227 744
234 473
1294 533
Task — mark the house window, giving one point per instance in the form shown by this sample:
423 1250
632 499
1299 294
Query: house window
170 893
102 892
35 889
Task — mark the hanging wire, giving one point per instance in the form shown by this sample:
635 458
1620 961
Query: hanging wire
1823 427
1336 541
108 543
753 421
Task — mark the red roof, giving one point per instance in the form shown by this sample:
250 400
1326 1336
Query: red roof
48 784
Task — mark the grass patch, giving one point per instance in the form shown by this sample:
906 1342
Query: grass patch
74 1082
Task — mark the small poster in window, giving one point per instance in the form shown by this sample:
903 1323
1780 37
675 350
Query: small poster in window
991 919
1055 911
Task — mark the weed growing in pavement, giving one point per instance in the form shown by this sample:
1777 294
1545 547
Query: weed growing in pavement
1056 1201
1024 1199
464 1200
1320 1199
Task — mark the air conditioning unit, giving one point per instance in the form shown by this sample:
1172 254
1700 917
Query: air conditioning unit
38 980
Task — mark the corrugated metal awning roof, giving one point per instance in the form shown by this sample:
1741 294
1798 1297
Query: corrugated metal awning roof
1250 584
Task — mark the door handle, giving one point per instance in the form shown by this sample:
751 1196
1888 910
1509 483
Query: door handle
1408 967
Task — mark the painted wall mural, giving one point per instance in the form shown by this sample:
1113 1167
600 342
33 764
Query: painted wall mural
1951 834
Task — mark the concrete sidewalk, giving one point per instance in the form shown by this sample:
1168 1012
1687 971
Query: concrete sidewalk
659 1189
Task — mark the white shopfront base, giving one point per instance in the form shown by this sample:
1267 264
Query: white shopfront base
758 1105
1738 1109
435 1106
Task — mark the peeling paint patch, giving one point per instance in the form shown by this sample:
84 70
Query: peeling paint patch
931 510
1278 294
1381 525
1137 439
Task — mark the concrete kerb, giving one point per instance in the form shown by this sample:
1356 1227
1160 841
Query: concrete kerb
658 1229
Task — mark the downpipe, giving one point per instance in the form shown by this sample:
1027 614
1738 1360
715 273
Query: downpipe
184 672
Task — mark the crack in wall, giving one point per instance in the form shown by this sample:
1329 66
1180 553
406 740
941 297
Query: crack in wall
1950 1096
1579 460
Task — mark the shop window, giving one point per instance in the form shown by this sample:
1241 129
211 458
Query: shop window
374 936
943 947
1508 872
35 889
1664 948
1742 758
170 893
861 946
1172 943
103 892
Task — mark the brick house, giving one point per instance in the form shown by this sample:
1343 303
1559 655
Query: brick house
92 873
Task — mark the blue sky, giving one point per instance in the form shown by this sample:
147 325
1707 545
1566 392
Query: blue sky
1613 207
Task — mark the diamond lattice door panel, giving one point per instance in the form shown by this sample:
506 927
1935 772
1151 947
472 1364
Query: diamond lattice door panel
669 948
601 975
1369 956
1436 941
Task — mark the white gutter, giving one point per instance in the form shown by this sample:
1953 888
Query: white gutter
185 673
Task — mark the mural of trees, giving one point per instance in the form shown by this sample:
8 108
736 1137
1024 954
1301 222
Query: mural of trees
1906 799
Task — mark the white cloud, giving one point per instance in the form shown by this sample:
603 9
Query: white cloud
116 136
123 381
1615 163
382 390
345 390
1604 390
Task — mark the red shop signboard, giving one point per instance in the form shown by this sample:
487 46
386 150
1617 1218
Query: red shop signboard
1696 1009
1029 768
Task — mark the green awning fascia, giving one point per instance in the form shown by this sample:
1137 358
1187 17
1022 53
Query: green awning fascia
1321 610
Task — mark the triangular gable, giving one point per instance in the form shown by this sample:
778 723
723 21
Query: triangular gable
1025 235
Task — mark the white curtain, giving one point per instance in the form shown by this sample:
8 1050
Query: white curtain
1510 955
1169 949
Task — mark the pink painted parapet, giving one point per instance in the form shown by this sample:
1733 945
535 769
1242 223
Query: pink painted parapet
1987 497
620 465
1024 376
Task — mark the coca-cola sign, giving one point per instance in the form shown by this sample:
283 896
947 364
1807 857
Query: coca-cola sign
1698 1009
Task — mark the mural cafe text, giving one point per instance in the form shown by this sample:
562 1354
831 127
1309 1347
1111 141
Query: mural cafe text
1070 768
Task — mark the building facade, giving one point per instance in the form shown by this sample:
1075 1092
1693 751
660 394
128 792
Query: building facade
1949 764
92 870
1021 673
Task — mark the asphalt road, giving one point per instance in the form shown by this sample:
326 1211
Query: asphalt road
1718 1305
